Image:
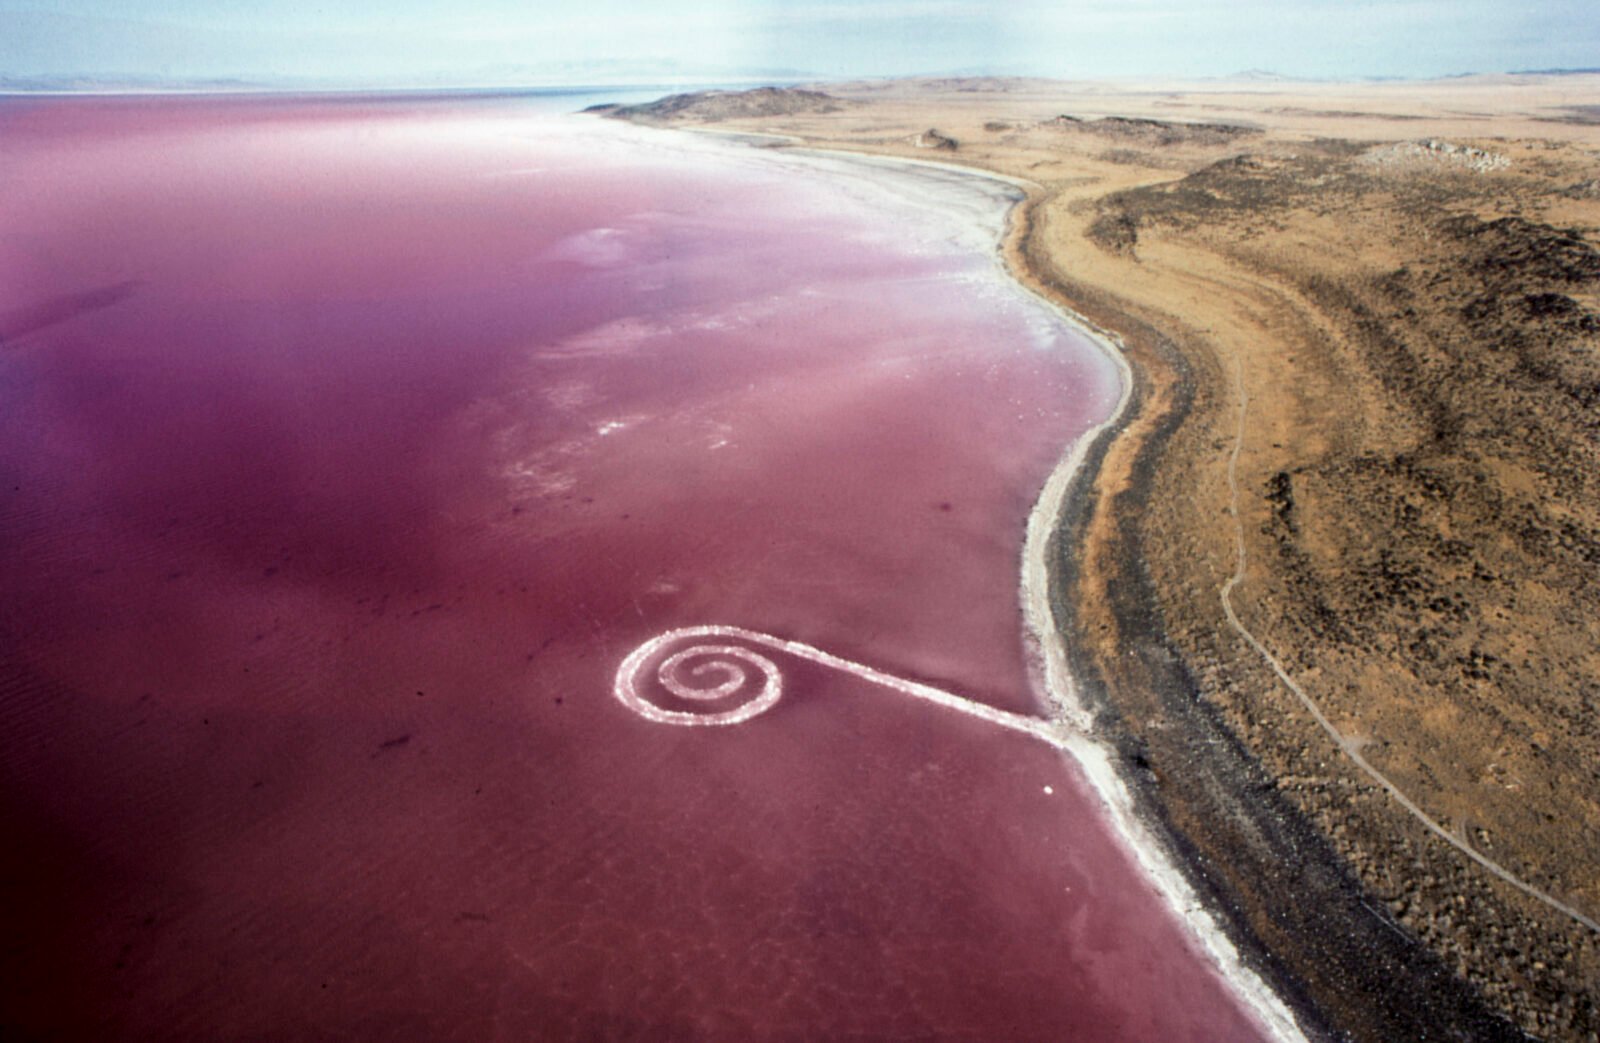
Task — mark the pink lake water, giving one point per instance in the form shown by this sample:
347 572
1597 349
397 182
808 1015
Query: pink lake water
348 448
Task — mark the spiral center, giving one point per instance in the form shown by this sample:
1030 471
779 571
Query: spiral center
701 674
733 675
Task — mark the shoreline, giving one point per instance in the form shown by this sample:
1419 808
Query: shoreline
1353 934
1054 531
1350 938
1230 785
1049 528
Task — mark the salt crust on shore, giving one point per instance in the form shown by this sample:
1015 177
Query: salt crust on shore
973 210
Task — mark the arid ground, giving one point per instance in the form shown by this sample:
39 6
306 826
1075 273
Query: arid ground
1365 324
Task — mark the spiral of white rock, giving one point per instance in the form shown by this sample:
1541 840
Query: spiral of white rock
722 682
710 674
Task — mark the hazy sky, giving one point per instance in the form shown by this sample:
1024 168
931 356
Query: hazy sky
568 40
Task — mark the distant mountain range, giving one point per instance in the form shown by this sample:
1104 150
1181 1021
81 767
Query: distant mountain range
1591 69
129 82
571 74
544 75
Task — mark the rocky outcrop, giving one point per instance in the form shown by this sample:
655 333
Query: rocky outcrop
1153 132
1438 153
710 106
931 138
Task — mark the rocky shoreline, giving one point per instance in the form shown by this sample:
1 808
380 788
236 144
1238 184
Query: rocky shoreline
1285 895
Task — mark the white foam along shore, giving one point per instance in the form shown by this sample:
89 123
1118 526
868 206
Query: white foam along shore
985 203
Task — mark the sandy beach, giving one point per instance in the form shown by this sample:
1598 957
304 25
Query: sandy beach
1325 590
